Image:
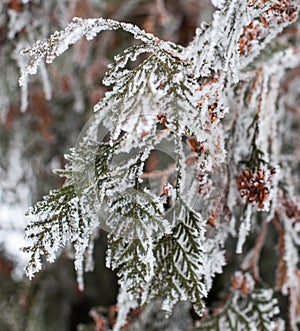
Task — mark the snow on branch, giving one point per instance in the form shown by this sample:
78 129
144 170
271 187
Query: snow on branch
167 232
60 41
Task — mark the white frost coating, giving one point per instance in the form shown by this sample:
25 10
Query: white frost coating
244 230
218 3
185 99
59 42
125 304
46 82
24 95
79 276
215 261
291 257
17 21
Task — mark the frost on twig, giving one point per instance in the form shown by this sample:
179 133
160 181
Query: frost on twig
212 107
244 308
59 42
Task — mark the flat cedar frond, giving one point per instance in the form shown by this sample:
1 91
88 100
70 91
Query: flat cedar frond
54 228
180 163
254 311
179 270
59 42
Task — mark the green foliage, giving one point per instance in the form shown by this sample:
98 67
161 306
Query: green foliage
212 102
179 272
56 215
243 312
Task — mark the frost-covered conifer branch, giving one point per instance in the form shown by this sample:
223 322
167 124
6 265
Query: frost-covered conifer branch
59 42
167 239
244 308
53 220
183 253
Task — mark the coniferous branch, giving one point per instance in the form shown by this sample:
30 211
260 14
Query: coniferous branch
162 243
54 226
133 276
180 259
245 308
59 42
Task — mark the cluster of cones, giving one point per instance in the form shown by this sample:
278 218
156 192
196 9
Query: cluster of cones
254 187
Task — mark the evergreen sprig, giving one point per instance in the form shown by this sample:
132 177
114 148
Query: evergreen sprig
244 312
178 97
180 258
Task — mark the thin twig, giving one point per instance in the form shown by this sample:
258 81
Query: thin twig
253 263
